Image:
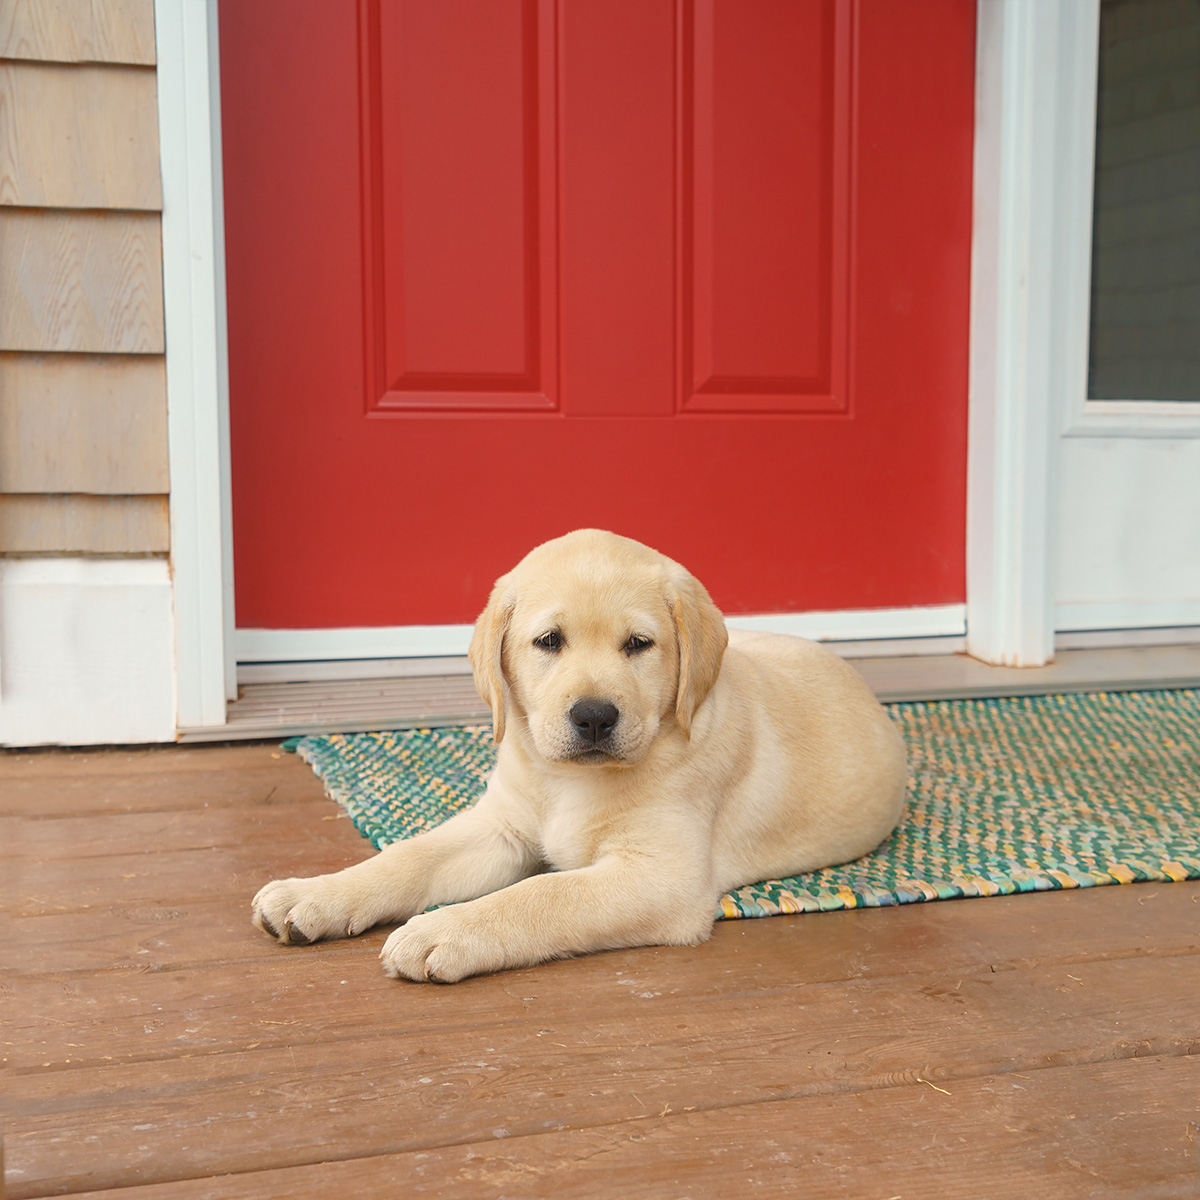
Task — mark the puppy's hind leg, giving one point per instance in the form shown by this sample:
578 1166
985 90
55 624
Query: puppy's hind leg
470 855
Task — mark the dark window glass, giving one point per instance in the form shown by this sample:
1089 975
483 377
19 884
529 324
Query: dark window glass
1145 318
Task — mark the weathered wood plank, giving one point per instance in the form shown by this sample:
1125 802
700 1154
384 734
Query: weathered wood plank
151 1037
1106 1131
72 838
60 884
79 137
115 31
71 796
83 423
166 936
220 787
579 1059
153 936
71 1017
81 281
84 524
118 766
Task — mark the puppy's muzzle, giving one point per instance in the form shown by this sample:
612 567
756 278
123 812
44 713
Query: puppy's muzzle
594 720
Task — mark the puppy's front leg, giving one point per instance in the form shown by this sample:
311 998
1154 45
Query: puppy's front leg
611 904
471 854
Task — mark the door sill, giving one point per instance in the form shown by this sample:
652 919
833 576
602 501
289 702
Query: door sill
1107 669
274 709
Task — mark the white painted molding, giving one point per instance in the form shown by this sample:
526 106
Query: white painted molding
1106 639
941 620
1082 417
317 645
431 641
1133 419
1036 61
336 669
1127 615
87 651
197 375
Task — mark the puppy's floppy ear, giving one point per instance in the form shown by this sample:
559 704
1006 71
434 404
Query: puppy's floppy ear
487 646
702 641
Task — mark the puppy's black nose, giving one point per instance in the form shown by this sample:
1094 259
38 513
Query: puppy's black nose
594 719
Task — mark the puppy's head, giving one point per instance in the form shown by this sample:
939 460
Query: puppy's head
595 640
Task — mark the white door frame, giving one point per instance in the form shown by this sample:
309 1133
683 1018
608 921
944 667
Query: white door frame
193 236
1035 120
1031 272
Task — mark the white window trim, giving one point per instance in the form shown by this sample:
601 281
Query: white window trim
1080 416
193 239
1130 418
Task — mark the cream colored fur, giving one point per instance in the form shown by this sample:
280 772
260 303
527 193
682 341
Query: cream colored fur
736 757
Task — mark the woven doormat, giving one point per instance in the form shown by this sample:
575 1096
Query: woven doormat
1012 795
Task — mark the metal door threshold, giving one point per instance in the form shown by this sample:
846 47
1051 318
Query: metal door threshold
275 709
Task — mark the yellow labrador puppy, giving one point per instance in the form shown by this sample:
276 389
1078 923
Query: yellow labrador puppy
649 759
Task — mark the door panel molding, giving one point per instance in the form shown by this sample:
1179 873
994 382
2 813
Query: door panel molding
461 307
765 314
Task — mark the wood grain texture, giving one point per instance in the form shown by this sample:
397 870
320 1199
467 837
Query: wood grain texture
1104 1132
625 1062
78 136
83 423
81 281
111 31
155 1041
144 779
61 524
775 960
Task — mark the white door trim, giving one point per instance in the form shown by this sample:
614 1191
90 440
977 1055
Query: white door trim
427 641
1034 135
193 239
1128 615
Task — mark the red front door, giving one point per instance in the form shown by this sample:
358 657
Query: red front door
692 270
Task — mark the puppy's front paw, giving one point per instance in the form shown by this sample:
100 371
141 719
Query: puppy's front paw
299 911
443 946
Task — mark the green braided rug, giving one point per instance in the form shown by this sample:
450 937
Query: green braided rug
1013 795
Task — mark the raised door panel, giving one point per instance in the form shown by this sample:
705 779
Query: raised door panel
459 252
765 167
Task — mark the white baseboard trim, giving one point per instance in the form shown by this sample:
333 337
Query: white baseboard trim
317 645
331 670
441 641
334 669
1106 639
866 624
1126 615
87 651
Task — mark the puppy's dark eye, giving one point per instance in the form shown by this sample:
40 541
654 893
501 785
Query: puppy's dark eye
551 640
637 643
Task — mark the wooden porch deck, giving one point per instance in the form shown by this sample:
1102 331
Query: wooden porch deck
156 1045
